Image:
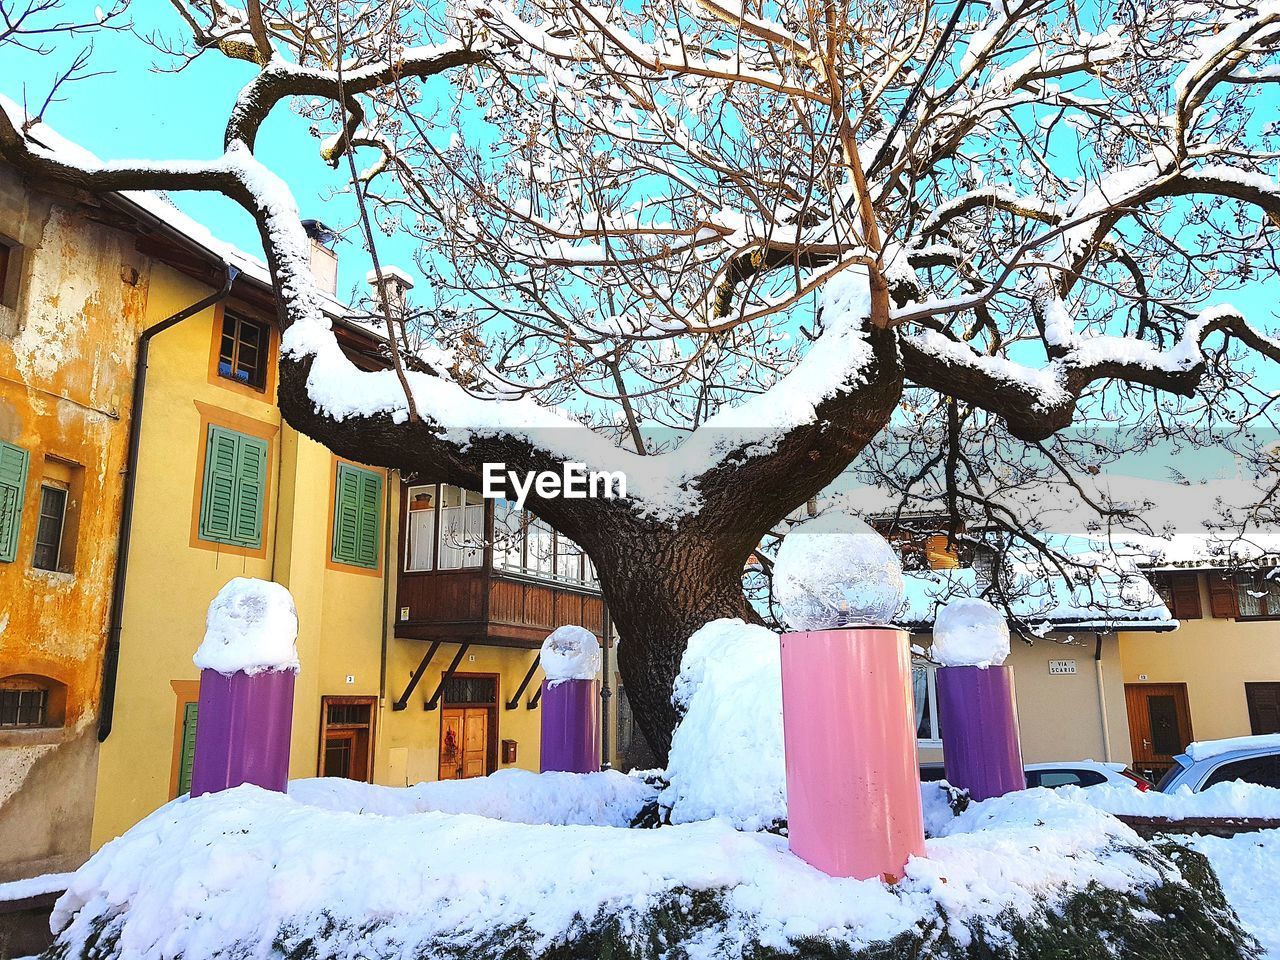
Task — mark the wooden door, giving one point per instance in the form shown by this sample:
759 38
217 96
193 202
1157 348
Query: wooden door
1264 707
475 742
464 743
1159 723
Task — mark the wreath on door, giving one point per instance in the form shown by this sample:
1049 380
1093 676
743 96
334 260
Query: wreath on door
450 743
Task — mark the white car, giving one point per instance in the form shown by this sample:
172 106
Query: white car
1082 773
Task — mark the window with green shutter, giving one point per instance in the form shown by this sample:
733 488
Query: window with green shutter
357 511
235 488
187 755
13 482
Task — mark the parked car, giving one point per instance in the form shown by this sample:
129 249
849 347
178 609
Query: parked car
1247 759
1082 773
1076 773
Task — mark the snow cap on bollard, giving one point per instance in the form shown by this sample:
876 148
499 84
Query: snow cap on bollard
251 627
835 571
570 653
969 632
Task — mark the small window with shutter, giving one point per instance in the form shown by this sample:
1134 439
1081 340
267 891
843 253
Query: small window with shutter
235 488
187 746
1180 593
13 483
357 513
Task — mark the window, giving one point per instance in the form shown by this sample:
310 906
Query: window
21 707
13 482
1257 595
1264 707
357 514
187 746
235 484
346 737
1264 771
471 690
1064 778
525 545
10 277
244 351
924 687
420 528
31 701
53 514
1180 593
461 528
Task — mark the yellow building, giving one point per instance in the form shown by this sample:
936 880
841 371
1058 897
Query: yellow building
1219 675
73 291
416 632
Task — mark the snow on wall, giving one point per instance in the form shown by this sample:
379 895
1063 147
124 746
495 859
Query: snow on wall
252 627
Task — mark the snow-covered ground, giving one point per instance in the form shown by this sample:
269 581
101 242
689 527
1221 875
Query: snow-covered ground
1248 867
1220 800
250 867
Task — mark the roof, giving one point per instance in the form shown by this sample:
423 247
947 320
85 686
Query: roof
156 208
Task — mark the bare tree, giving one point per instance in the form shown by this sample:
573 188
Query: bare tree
785 233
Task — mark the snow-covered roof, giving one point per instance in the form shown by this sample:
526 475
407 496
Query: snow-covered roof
1204 749
1203 551
159 207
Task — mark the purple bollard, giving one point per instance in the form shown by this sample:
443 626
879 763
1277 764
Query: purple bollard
243 730
979 717
571 726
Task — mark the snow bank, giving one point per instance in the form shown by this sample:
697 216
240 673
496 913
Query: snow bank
1234 799
1203 749
608 798
252 626
34 886
726 753
570 653
835 570
1248 867
251 873
969 632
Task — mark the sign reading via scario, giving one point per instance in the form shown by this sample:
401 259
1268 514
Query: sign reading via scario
1062 667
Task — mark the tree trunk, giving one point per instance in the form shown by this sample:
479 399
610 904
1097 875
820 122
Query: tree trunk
662 585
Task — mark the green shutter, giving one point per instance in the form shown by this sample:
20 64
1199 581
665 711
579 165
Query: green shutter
235 483
187 758
13 483
356 516
251 490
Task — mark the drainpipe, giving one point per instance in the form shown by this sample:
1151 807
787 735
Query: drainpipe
111 663
1102 698
606 694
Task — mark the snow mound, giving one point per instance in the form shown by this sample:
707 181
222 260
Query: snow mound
570 653
969 632
607 798
1248 867
1234 799
835 570
252 627
726 753
252 873
1203 749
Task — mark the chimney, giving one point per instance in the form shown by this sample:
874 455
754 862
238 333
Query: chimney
397 284
324 261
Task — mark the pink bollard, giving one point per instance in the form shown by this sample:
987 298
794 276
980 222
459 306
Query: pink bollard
242 730
853 775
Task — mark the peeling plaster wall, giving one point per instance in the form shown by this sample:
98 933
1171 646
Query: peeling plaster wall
66 368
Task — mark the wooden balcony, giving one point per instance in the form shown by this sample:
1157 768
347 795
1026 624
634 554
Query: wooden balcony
486 606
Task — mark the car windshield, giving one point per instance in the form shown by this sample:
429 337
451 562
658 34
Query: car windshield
1172 772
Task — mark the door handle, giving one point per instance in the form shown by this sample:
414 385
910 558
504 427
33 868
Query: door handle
1146 744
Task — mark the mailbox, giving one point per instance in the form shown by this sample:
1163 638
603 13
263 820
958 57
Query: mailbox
508 751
